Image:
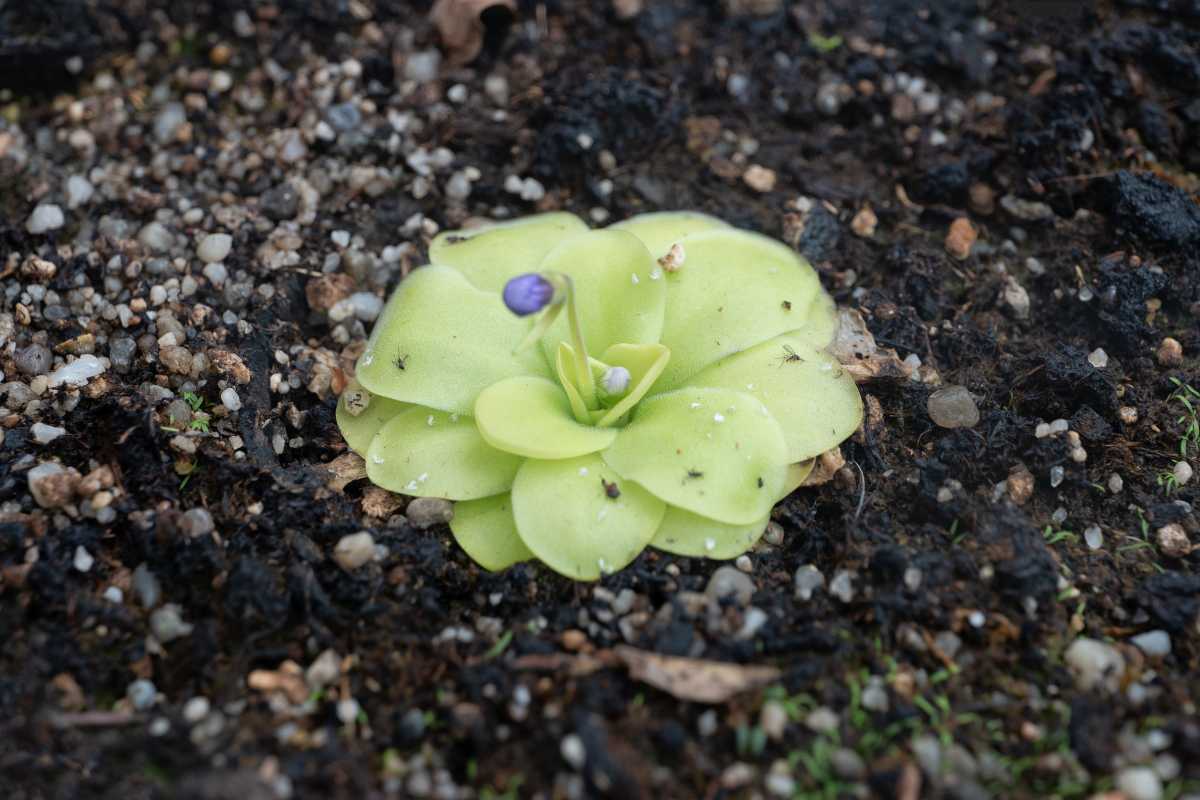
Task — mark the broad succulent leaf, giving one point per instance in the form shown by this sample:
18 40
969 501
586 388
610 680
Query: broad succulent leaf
686 534
567 515
440 342
735 290
427 453
491 254
714 452
658 230
485 529
805 389
532 417
361 429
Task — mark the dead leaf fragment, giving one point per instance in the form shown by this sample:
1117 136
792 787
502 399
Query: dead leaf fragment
855 349
344 469
694 679
460 25
826 466
380 503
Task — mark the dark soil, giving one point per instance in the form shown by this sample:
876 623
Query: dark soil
966 593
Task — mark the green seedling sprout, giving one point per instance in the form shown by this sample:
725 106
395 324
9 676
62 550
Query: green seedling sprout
585 393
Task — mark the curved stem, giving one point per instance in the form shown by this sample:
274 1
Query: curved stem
583 368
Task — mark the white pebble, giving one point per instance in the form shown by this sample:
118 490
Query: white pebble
45 434
83 560
354 550
340 238
1093 537
79 191
1182 472
572 750
1139 783
230 399
78 372
1098 358
44 218
216 273
214 247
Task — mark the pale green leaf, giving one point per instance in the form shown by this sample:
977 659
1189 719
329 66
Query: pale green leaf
686 534
617 293
805 389
736 289
441 341
359 431
797 474
658 230
489 255
715 452
566 516
532 417
485 529
428 453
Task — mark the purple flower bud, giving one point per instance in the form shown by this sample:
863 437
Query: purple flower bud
528 293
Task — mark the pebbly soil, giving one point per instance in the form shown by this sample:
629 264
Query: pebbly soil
173 618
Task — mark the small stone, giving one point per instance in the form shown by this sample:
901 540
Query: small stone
822 720
354 550
780 783
953 407
1095 664
34 359
177 359
230 399
1170 353
847 764
807 580
48 217
1016 297
1139 783
1156 643
348 710
167 623
45 434
1115 483
156 238
744 563
960 238
343 116
759 178
773 719
142 694
458 187
1056 476
196 709
51 485
928 752
425 512
573 752
83 560
341 238
323 671
1098 358
280 202
875 696
1093 537
1127 414
707 724
422 66
169 121
731 582
1182 472
1019 484
864 223
1173 540
146 586
1027 210
214 247
196 522
217 274
842 586
79 191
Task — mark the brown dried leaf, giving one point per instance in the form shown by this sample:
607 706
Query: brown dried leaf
344 469
694 679
828 464
380 503
460 24
855 349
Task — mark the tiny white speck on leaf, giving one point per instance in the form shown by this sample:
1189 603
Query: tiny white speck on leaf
718 417
429 420
633 278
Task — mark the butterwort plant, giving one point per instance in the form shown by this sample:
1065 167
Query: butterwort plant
583 394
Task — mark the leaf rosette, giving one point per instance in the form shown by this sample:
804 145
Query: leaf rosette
684 392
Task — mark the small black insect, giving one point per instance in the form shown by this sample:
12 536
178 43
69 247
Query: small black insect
789 356
760 483
401 361
787 305
610 489
695 473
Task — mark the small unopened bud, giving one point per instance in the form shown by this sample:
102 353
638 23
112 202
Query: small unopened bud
673 260
615 381
527 294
